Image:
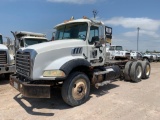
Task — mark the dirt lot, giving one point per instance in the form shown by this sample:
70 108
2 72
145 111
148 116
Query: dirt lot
117 101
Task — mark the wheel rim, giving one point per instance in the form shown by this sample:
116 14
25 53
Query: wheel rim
79 89
139 72
147 70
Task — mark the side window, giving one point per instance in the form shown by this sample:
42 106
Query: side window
21 43
94 35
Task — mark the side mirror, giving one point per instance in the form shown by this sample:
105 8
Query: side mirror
108 32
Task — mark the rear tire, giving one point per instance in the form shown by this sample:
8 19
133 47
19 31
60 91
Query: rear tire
127 71
136 72
146 69
76 89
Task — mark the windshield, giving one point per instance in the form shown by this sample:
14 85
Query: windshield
32 41
1 41
72 31
119 48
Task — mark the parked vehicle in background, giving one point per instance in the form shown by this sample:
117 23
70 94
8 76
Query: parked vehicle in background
75 60
25 39
22 39
7 66
117 53
136 55
158 55
148 57
155 57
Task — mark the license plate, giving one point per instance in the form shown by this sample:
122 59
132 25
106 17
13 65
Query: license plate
15 85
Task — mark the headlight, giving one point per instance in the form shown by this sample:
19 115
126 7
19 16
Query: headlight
54 73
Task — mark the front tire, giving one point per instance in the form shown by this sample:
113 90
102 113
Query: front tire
76 89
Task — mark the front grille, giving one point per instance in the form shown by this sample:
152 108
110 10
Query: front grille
3 57
23 63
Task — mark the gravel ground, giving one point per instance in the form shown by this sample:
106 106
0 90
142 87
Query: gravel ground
118 101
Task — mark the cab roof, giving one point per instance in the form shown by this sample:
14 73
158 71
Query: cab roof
80 20
31 34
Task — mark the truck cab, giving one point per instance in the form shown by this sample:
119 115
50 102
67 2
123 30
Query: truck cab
6 60
25 39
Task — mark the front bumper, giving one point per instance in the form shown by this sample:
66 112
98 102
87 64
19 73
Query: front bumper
30 90
7 69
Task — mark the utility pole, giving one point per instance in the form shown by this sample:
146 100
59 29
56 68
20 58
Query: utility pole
137 36
95 12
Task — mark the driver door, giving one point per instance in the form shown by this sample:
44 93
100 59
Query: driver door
96 53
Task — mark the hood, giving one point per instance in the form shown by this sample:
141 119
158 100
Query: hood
3 47
59 44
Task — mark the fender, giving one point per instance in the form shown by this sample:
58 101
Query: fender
70 65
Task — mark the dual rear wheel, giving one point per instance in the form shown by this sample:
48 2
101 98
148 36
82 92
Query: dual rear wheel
134 71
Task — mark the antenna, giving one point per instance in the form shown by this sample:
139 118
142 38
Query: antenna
95 12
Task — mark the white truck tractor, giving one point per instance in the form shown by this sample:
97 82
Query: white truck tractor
117 53
6 60
75 60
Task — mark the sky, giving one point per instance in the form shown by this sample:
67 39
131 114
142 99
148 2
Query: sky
124 16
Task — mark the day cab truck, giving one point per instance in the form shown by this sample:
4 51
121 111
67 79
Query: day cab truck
7 66
25 39
74 61
7 54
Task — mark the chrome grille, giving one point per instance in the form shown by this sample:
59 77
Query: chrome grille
3 57
23 63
